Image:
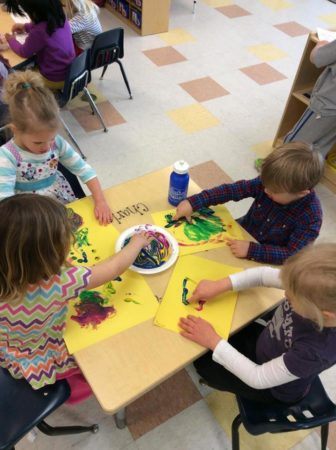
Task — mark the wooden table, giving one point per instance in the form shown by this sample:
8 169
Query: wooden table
6 23
122 368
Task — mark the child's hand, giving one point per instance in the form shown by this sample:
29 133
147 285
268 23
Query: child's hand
141 239
238 248
207 289
102 212
18 28
184 209
200 331
8 36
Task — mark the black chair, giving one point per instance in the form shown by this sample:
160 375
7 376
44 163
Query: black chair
23 408
315 410
76 81
108 48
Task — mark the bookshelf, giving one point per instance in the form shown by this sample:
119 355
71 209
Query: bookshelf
143 16
298 100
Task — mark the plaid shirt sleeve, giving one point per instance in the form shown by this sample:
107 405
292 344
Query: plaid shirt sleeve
226 192
306 231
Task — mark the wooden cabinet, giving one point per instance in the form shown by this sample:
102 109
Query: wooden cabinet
298 101
143 16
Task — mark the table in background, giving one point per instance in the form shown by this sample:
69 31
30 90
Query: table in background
122 368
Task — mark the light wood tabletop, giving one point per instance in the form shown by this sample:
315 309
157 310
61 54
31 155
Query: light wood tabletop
122 368
6 23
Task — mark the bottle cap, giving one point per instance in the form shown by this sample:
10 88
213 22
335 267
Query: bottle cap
181 167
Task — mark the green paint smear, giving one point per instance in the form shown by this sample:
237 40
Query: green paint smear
109 289
130 300
92 297
82 237
203 229
185 290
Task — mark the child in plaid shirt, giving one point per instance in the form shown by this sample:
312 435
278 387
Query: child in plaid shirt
286 214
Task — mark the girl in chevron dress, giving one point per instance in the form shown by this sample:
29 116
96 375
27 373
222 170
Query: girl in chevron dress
36 284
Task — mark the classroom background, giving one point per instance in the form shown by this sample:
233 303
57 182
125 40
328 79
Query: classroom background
213 88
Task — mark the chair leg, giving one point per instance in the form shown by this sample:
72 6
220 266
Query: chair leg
94 107
73 139
324 436
59 431
120 418
235 432
103 72
123 73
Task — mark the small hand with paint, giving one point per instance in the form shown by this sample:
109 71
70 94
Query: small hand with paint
208 289
184 209
200 331
103 212
141 239
238 248
8 36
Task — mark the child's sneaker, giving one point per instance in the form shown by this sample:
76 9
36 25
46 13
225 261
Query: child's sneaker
258 163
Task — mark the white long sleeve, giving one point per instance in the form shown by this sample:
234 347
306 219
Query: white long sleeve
263 376
258 276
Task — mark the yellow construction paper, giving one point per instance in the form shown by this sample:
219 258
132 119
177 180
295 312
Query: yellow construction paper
206 231
218 311
126 303
93 242
114 307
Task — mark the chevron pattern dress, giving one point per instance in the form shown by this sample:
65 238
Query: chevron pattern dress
31 331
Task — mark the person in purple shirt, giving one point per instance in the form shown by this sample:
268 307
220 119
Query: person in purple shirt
282 359
286 214
49 38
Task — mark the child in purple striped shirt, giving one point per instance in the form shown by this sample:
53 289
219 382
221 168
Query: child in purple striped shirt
286 214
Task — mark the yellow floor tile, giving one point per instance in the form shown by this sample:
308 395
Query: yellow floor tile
217 3
267 52
330 19
224 407
81 101
262 149
193 118
177 36
277 4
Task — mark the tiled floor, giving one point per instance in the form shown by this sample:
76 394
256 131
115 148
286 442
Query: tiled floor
214 87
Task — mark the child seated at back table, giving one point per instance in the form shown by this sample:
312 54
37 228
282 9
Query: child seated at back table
84 22
49 38
36 284
28 162
286 214
282 359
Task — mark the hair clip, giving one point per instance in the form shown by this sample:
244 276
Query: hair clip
26 85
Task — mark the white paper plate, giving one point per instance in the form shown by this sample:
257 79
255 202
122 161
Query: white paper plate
174 248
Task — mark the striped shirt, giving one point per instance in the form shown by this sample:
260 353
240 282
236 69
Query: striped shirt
23 171
31 331
281 230
85 27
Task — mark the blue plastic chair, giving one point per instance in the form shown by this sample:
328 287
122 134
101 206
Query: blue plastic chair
108 48
23 408
315 410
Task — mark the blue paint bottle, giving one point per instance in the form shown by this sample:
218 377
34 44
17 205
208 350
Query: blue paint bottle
178 185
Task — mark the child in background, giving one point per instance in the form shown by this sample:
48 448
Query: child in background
36 284
84 22
28 162
49 38
4 70
286 214
317 125
282 360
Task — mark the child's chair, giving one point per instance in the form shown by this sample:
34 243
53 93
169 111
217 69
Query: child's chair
315 410
22 409
108 48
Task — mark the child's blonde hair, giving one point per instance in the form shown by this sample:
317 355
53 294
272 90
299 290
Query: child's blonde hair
32 106
292 168
309 277
35 240
72 7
